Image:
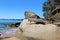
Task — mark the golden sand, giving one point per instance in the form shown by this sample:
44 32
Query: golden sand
12 38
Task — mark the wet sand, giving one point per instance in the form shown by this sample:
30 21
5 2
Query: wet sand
12 38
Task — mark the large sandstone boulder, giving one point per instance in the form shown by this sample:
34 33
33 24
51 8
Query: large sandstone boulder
32 31
27 31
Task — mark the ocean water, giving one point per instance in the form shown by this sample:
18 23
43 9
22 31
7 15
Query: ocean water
6 31
4 22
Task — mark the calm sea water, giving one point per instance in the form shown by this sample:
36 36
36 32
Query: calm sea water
4 22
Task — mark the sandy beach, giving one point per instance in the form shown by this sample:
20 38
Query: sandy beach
8 34
12 38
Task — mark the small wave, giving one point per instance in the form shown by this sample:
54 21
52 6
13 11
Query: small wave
7 33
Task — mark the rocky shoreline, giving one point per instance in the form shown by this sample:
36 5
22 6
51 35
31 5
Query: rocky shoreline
35 28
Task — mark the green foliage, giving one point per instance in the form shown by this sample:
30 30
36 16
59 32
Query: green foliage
48 6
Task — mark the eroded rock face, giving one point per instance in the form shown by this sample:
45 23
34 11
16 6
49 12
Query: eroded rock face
34 18
55 15
38 31
30 15
29 31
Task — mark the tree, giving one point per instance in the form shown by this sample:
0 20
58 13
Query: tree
48 6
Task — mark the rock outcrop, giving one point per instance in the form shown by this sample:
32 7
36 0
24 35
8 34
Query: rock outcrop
30 15
56 14
34 18
13 25
29 31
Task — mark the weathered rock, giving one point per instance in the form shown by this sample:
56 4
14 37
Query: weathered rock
30 15
33 18
29 31
38 21
38 31
55 15
13 25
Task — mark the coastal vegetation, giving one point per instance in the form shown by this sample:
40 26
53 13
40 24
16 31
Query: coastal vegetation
49 6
